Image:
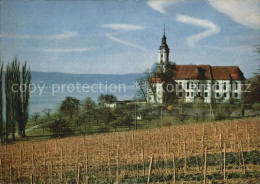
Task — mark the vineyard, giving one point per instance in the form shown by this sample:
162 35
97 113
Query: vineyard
227 151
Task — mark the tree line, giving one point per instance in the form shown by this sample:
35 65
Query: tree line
75 116
16 83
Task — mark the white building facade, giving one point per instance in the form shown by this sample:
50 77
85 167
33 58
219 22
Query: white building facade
210 84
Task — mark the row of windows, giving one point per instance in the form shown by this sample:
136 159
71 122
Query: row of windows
188 94
192 85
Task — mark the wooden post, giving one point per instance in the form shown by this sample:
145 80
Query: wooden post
55 146
150 171
61 164
224 162
117 167
205 166
33 157
31 178
21 156
248 142
220 141
243 161
45 156
78 175
11 178
51 171
87 168
77 154
174 169
1 164
143 158
194 135
203 129
184 157
203 148
165 156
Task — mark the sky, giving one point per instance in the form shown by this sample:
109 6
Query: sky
119 37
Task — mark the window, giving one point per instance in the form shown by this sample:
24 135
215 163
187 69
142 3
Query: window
180 94
217 94
161 55
191 94
225 95
224 86
236 85
206 86
187 94
188 85
199 85
236 95
199 94
206 94
217 86
180 85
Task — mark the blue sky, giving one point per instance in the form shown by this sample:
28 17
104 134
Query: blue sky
118 37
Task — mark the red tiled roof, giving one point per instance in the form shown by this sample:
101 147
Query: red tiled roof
192 72
204 72
155 79
227 73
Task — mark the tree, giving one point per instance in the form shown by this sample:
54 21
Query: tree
17 97
47 112
166 76
60 128
8 100
25 96
70 106
253 95
1 101
88 107
151 87
13 98
108 98
106 115
128 119
36 116
141 93
117 123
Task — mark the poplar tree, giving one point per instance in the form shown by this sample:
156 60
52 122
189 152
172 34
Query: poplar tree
17 97
1 101
8 105
25 96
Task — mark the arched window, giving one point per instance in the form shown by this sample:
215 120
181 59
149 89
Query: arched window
217 86
180 85
236 85
224 86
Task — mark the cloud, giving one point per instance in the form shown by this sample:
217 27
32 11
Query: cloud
65 50
63 35
241 11
111 37
235 49
212 28
161 5
126 27
123 28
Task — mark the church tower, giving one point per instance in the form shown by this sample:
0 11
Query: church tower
163 53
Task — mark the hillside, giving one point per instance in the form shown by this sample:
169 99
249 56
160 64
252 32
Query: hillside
126 157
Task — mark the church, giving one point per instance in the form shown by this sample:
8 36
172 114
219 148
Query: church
208 83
